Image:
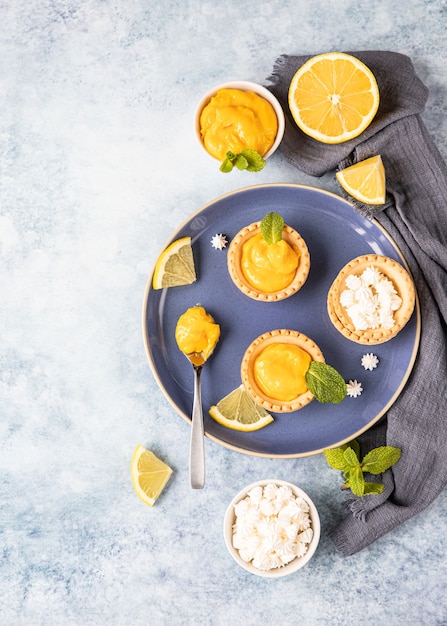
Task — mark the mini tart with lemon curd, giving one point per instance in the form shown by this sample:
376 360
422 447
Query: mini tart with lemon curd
402 287
273 370
268 272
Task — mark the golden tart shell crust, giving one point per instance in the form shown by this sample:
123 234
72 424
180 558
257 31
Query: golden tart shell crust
403 284
234 256
255 349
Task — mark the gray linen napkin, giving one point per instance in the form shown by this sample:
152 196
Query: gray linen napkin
415 215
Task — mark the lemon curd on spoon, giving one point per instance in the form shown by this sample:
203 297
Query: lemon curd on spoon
196 332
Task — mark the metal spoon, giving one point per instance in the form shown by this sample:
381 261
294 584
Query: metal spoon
197 449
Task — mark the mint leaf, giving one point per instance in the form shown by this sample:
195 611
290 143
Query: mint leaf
351 458
336 459
380 459
346 458
241 162
325 383
249 160
354 444
226 166
255 162
369 488
271 228
356 482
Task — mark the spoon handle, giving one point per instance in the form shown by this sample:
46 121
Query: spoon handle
197 450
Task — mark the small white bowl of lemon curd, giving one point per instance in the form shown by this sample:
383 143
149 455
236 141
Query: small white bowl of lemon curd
239 115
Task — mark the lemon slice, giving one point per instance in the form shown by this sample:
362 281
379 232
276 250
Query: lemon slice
365 181
333 97
175 265
149 475
239 412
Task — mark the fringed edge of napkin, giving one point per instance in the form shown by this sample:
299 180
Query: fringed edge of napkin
279 65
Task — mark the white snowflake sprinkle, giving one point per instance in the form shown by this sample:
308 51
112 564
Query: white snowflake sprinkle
219 241
370 361
354 389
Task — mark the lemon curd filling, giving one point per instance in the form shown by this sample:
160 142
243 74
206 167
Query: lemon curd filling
196 331
280 370
268 267
237 120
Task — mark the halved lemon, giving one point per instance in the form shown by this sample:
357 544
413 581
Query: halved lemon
333 97
149 475
175 265
239 412
365 181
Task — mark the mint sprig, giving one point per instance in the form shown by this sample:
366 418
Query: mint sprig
346 459
325 383
272 226
248 159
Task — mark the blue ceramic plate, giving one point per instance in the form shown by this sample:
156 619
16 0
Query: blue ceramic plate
335 233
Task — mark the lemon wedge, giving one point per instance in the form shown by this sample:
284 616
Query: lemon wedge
365 181
333 97
175 265
239 412
149 475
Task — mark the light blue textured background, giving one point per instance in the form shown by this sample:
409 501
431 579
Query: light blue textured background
98 166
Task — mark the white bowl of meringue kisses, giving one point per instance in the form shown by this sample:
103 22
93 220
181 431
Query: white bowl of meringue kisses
271 528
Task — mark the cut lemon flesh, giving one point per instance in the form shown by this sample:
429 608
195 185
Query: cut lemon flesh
175 265
365 181
149 475
333 97
239 412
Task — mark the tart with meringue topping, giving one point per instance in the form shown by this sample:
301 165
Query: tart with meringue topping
371 299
